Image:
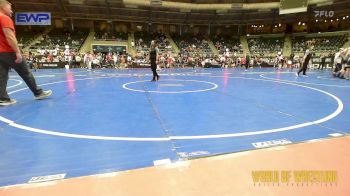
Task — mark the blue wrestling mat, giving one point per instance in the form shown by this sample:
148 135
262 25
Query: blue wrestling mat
114 120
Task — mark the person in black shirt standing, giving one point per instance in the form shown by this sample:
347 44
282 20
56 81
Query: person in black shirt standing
247 61
323 62
306 60
153 58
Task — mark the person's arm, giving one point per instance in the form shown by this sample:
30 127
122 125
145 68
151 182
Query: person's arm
11 39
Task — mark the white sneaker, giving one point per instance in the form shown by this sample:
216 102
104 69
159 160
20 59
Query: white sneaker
7 102
44 95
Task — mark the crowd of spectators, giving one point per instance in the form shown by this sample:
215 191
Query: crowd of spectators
227 44
143 41
263 46
110 36
192 45
61 45
319 44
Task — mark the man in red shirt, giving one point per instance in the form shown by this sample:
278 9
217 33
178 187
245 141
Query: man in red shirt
11 57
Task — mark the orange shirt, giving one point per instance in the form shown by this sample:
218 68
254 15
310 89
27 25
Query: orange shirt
5 22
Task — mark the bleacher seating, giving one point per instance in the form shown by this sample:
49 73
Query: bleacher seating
26 35
61 37
194 45
319 44
143 41
232 43
107 36
261 45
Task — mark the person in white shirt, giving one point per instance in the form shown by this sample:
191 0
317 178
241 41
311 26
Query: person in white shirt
223 61
115 59
66 54
347 65
338 59
279 60
296 61
78 59
162 61
96 62
88 60
42 51
128 59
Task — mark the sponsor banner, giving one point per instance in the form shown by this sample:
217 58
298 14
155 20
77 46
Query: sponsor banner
265 144
46 178
33 18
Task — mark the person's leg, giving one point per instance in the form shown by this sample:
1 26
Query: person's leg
304 69
157 76
23 71
4 69
154 70
299 71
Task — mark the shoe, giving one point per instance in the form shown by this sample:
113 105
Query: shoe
304 75
153 80
158 78
44 95
7 102
296 74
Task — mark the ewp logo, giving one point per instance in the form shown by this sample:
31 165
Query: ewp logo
41 18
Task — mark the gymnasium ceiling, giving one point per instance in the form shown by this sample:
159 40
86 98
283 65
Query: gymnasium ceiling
215 12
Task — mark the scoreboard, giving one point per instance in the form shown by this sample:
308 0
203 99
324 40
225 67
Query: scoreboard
293 6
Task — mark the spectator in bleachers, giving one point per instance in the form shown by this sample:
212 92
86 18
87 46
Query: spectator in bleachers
265 45
110 35
320 44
